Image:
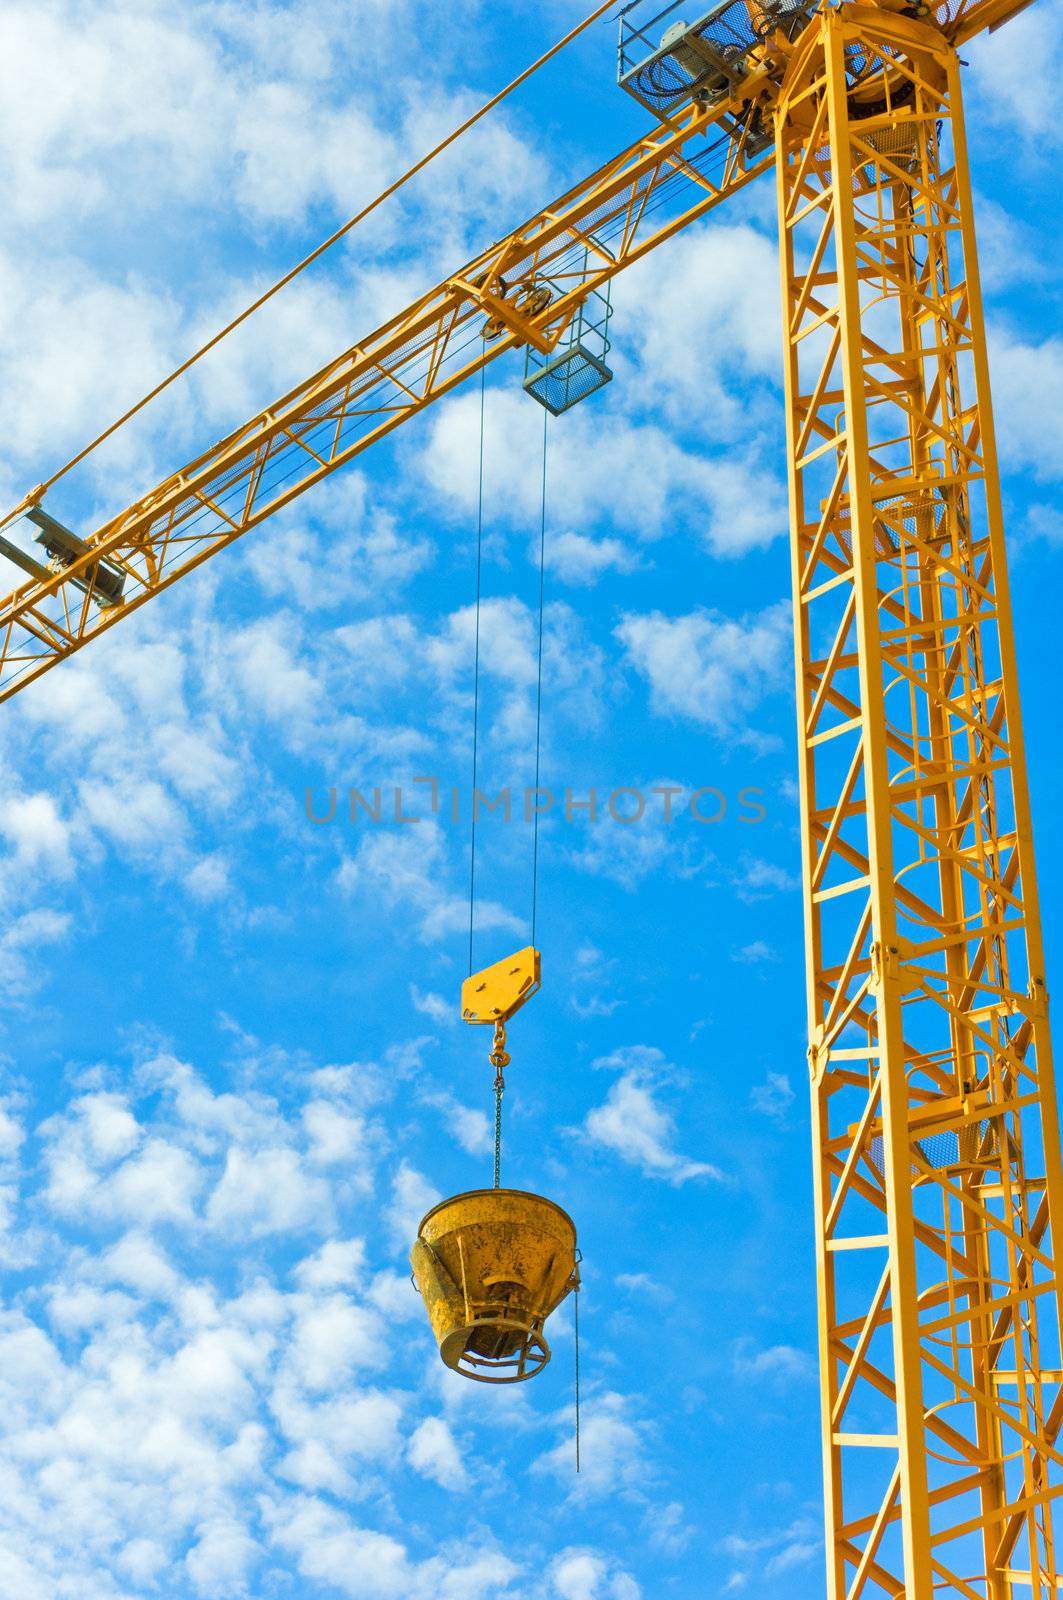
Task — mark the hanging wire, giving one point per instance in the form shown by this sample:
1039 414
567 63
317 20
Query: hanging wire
539 686
385 194
499 1058
576 1310
476 665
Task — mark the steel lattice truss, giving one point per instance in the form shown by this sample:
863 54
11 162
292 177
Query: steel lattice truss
935 1123
640 199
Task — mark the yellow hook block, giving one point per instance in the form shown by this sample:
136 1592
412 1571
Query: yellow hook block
494 994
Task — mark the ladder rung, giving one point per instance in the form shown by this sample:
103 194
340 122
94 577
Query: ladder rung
867 1441
1046 1375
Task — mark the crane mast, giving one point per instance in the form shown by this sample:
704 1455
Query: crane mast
938 1182
935 1125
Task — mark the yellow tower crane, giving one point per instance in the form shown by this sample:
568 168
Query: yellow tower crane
938 1183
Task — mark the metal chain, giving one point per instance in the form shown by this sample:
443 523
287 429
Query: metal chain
498 1132
499 1060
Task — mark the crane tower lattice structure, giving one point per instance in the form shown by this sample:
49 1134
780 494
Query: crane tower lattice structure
937 1175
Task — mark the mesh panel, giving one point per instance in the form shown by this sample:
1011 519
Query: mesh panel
924 514
567 379
938 1150
708 54
665 62
885 543
897 143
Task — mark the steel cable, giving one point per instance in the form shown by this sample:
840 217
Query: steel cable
351 223
476 664
539 685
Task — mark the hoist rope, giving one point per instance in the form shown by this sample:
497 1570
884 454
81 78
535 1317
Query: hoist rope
539 685
281 283
476 665
576 1308
273 479
499 1058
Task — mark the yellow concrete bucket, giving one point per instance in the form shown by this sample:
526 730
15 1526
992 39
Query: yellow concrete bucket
491 1266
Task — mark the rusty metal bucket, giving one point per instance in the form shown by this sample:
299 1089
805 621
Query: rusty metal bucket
491 1266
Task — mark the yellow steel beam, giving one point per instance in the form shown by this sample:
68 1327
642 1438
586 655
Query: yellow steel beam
636 202
424 352
903 634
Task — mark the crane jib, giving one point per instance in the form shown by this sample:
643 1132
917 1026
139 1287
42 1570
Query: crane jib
937 1172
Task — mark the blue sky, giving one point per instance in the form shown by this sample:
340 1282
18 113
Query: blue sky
233 1078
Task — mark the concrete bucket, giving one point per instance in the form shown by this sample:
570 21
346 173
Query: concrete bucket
491 1266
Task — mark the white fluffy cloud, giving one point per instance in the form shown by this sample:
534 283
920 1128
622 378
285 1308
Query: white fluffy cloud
578 559
773 1097
1028 402
635 474
755 953
102 1167
633 1124
114 127
707 667
777 1366
612 1450
342 530
705 320
468 1126
411 1196
441 1011
157 1422
771 1552
434 1453
267 1191
585 1575
331 1548
410 868
39 835
18 942
1012 82
230 1163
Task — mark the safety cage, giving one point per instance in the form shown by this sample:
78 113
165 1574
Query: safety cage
577 368
666 61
